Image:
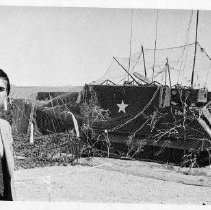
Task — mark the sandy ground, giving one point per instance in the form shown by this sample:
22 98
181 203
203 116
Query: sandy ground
112 180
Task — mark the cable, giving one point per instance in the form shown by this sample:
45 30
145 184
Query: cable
171 48
156 29
202 50
139 114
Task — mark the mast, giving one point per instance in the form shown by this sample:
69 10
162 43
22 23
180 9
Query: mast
131 34
145 71
196 42
168 69
156 31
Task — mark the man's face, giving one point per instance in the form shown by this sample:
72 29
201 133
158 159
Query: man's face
3 92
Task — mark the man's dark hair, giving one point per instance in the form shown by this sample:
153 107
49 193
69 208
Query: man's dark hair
5 77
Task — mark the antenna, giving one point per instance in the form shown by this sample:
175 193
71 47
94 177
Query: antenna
194 59
156 30
131 33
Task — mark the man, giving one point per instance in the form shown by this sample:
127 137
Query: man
7 188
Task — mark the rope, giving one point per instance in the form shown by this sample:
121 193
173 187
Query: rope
137 60
141 126
203 50
171 48
137 115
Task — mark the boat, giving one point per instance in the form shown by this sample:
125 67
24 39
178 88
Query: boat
143 110
164 104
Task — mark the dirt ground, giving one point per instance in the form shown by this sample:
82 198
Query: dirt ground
113 180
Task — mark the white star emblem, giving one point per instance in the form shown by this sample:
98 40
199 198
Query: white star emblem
122 107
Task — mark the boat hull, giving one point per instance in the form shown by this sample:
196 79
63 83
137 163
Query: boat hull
143 114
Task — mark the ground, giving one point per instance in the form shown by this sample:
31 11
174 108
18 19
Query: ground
113 180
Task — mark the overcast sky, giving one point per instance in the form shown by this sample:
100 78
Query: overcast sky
72 46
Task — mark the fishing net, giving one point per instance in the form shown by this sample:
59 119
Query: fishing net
48 112
180 61
45 129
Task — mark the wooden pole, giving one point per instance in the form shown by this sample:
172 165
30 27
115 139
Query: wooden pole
131 33
126 71
31 123
194 59
153 68
145 71
31 133
167 65
165 73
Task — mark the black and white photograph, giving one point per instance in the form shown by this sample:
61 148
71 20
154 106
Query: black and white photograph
105 105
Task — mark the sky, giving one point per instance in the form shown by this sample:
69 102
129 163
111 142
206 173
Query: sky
57 46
